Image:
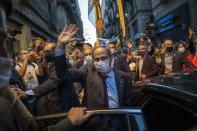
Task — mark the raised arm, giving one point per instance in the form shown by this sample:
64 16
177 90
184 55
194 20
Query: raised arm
63 70
23 68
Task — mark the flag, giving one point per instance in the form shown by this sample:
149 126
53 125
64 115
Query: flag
121 14
105 42
98 18
94 15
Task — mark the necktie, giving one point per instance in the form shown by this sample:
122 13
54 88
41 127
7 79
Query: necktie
105 91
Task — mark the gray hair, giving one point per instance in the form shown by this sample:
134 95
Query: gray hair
107 49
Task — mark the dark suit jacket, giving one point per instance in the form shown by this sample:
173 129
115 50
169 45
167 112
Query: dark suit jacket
15 116
94 84
150 67
121 64
178 60
60 91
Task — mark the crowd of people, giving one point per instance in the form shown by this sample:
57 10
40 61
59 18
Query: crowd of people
55 77
149 61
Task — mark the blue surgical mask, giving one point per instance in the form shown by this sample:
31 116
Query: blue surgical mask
102 66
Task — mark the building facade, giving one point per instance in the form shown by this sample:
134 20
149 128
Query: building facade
170 18
137 14
42 18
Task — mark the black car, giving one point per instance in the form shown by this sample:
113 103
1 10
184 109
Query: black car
168 102
165 103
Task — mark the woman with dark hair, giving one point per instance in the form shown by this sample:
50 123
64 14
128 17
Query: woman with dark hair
181 48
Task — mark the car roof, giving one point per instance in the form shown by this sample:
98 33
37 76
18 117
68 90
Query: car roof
186 81
181 85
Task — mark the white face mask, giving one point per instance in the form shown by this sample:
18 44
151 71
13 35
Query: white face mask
113 51
5 72
181 49
102 66
88 59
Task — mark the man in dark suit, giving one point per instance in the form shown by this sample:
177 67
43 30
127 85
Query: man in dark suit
113 92
146 65
173 61
105 86
118 61
14 115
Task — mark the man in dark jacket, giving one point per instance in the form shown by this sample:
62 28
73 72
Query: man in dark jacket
110 92
105 86
118 62
146 65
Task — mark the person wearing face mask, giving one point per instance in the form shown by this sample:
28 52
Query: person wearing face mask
88 55
27 70
105 86
61 94
79 86
118 61
180 48
172 60
146 65
87 58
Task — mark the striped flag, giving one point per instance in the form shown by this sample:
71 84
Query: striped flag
121 14
105 42
94 15
98 18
